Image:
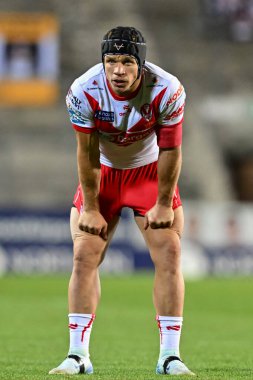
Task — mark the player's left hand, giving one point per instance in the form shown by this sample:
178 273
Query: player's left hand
159 216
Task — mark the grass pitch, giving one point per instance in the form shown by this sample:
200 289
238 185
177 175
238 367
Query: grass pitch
217 341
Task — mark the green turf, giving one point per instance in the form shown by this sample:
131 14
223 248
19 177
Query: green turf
217 340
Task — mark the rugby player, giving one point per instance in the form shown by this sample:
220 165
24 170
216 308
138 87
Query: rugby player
127 114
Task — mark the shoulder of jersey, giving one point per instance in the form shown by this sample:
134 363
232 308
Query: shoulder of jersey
159 78
92 79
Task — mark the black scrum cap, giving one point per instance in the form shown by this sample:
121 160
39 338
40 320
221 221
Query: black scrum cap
125 40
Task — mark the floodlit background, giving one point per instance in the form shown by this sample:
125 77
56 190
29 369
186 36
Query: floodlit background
44 46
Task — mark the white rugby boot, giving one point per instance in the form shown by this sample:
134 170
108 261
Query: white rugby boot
172 365
72 365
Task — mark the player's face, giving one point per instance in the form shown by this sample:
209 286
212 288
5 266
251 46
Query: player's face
122 71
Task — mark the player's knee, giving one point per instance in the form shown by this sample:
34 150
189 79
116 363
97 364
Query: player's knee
83 263
168 243
167 255
86 257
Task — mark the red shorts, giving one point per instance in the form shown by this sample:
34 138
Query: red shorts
134 188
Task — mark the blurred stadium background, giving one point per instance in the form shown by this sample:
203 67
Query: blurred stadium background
44 45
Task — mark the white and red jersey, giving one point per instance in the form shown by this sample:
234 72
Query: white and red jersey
131 129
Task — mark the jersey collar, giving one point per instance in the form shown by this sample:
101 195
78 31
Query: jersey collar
122 98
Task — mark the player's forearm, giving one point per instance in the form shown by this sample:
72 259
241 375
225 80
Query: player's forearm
89 178
89 170
169 167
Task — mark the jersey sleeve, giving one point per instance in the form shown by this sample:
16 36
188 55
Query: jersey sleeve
80 112
170 121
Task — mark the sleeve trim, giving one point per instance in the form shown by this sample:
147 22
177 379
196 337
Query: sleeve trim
169 136
83 129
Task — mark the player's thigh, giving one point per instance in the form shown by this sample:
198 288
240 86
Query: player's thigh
164 243
86 244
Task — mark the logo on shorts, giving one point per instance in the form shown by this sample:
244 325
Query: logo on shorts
104 115
146 111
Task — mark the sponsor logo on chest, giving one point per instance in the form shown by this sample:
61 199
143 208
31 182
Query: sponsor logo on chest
104 115
176 95
96 86
124 138
126 109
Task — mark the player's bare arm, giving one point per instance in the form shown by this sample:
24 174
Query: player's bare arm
169 167
90 220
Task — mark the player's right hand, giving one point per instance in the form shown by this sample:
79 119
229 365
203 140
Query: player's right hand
93 222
